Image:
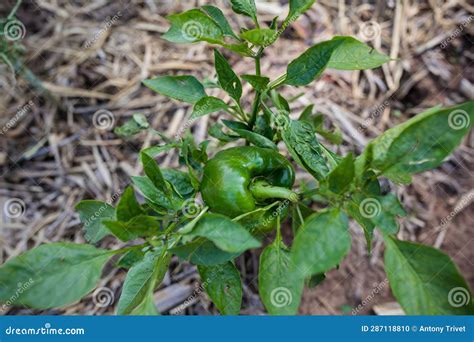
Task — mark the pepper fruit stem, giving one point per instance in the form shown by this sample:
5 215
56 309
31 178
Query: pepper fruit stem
262 190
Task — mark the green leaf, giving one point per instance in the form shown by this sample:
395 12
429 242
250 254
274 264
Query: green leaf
203 252
368 187
316 121
233 125
303 146
215 131
260 37
154 151
311 64
306 114
137 291
315 280
91 214
139 226
130 258
128 206
193 157
193 26
298 7
321 243
263 219
146 307
221 20
256 139
274 23
245 7
352 208
355 55
226 234
189 225
263 126
386 219
281 103
223 285
208 104
153 194
241 49
183 88
334 137
153 172
419 144
55 275
343 53
252 137
279 286
342 176
259 83
227 78
372 211
180 181
133 126
425 281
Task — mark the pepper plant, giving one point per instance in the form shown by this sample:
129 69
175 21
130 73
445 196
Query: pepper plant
212 210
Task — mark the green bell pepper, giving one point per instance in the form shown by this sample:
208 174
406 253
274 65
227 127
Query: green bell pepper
241 179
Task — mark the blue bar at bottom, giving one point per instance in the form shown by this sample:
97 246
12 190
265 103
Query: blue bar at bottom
238 328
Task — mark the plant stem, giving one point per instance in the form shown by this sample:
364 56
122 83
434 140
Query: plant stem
255 107
278 235
262 190
126 249
298 210
258 70
238 218
277 82
190 225
258 94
